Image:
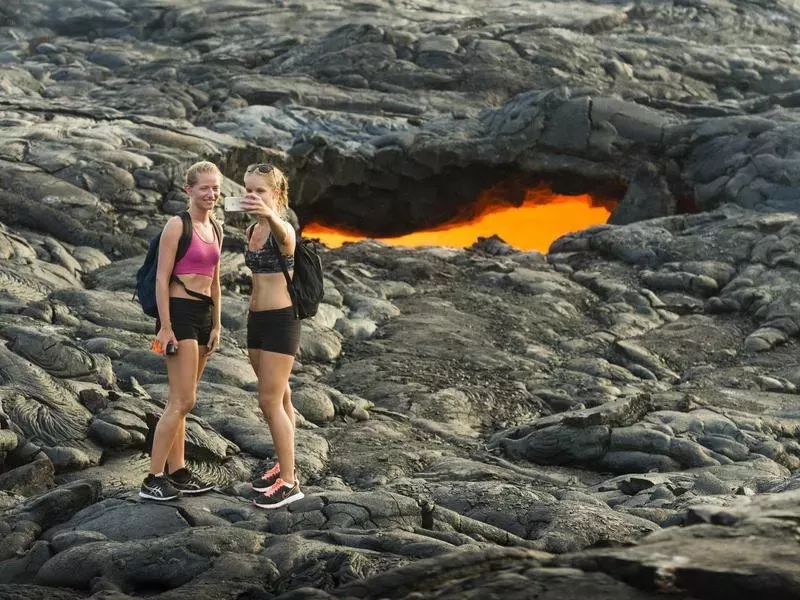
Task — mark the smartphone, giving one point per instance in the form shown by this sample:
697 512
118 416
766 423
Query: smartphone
233 204
172 347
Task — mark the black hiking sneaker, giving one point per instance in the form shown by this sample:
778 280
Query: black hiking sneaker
279 494
188 483
158 487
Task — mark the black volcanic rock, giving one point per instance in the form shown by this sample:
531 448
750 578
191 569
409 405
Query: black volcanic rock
616 418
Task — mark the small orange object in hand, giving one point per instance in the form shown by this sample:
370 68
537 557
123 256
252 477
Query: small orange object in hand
156 347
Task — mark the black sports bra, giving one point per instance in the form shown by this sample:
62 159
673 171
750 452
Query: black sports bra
266 259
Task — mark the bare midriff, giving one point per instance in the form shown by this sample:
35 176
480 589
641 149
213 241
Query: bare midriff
197 283
269 292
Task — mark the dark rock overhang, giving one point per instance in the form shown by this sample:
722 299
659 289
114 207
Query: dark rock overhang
654 162
423 175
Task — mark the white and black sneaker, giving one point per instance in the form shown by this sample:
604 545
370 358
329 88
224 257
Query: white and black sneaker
279 494
158 487
188 483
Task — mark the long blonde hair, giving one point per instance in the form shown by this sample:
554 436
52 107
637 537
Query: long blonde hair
204 166
277 180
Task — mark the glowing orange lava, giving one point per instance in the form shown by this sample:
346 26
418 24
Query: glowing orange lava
541 219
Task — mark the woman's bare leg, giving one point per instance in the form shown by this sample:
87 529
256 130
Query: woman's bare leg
177 454
273 379
254 356
182 373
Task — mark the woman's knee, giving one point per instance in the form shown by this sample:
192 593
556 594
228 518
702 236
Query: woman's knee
270 400
182 405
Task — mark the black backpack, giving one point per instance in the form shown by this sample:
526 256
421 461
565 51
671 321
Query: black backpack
305 287
146 275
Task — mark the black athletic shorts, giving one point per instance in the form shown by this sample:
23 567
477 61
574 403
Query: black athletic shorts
191 319
274 331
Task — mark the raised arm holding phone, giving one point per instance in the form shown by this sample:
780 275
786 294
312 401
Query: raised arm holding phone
273 330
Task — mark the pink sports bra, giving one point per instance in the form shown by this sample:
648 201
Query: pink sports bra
200 259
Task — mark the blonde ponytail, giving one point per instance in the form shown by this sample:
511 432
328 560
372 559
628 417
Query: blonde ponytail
281 186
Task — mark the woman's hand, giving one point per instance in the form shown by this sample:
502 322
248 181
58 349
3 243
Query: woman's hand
258 206
213 340
164 337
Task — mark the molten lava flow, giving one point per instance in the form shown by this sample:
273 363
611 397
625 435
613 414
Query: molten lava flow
542 218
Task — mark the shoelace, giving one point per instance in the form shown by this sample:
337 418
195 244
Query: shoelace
276 470
279 483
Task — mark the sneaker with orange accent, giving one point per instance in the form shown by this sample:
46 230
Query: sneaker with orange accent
263 483
279 494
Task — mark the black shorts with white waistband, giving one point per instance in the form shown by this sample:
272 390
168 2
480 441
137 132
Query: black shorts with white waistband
273 330
191 319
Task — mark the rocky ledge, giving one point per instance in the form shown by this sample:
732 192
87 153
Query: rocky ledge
615 419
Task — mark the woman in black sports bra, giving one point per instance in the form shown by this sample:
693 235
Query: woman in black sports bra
273 332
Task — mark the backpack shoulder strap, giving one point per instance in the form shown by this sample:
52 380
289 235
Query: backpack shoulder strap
217 231
289 282
186 237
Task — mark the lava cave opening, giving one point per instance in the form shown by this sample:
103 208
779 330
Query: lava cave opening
526 211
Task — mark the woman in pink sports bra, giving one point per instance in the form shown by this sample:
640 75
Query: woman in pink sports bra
188 297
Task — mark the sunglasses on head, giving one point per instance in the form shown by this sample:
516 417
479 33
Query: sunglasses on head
262 168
